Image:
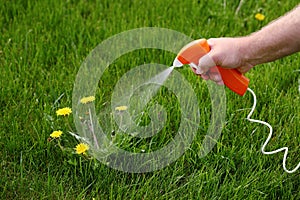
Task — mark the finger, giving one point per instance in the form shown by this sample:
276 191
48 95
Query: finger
220 83
195 71
205 63
211 41
205 76
243 69
215 77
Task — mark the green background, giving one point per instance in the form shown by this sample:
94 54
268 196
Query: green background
42 45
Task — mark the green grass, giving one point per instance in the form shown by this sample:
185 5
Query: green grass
42 45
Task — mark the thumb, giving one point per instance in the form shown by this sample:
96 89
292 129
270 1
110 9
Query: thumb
205 63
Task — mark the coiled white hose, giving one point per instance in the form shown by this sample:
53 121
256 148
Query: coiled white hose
285 149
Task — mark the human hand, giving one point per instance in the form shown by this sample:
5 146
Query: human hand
227 53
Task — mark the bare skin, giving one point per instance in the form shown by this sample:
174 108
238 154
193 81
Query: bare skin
278 39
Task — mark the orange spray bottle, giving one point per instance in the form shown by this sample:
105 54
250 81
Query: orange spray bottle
192 52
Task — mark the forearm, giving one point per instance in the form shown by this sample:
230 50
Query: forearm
278 39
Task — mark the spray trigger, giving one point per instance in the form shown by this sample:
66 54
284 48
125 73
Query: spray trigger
177 63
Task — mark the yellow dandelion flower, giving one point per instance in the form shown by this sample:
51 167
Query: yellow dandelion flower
259 17
81 148
64 111
88 99
121 108
56 134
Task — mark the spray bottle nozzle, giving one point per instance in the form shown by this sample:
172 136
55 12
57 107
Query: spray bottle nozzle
177 63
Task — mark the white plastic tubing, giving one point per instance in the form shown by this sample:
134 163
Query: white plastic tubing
285 149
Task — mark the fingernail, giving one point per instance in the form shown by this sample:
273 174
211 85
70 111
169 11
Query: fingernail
217 77
205 77
220 83
199 71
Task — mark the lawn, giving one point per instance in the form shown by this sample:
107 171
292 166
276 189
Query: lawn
42 47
